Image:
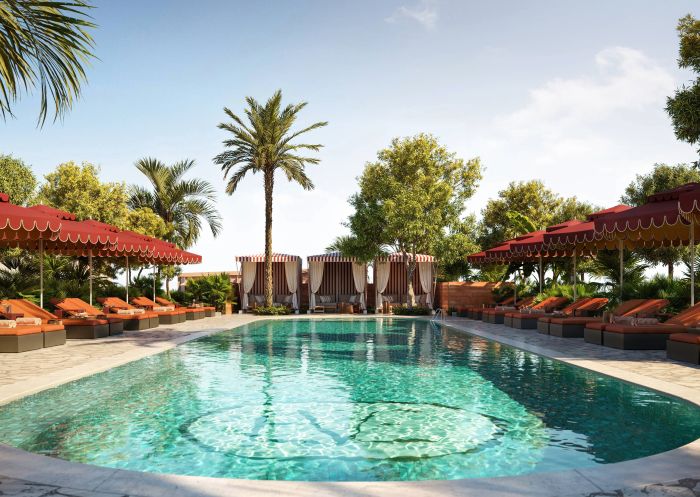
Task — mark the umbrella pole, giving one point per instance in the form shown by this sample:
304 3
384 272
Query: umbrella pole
622 266
127 278
692 262
154 282
540 273
90 274
515 288
573 278
41 272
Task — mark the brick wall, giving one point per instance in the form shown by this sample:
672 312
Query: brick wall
463 293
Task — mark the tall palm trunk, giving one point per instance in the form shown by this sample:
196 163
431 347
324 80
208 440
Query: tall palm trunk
410 271
670 270
269 185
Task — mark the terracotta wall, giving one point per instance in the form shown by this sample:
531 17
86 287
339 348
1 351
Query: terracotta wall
463 293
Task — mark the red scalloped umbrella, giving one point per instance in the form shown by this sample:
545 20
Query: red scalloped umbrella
47 229
667 218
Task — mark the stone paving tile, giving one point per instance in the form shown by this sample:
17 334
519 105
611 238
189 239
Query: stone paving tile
37 363
652 363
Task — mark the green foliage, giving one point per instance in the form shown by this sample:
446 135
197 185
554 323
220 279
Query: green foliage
676 291
18 274
179 297
607 266
265 144
450 251
583 290
526 206
402 310
45 45
143 220
182 204
17 179
213 289
411 197
683 107
272 310
78 189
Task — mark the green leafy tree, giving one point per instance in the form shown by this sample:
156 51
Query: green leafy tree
17 180
684 106
183 204
44 44
78 189
143 220
411 198
662 177
265 144
530 199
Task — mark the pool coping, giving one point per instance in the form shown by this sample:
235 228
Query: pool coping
671 466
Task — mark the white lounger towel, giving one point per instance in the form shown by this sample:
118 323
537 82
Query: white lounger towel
8 323
34 321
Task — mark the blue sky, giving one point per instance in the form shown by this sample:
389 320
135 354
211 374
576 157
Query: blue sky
568 92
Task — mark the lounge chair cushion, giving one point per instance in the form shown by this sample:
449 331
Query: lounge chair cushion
8 323
574 320
84 322
656 328
20 330
47 328
691 338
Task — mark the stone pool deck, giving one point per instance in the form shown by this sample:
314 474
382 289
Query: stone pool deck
674 473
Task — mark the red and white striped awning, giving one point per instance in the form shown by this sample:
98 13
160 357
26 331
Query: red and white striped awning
275 258
330 257
399 257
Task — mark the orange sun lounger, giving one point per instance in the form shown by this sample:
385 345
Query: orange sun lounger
574 326
134 319
653 336
192 312
497 315
638 308
78 309
166 314
52 330
474 311
585 307
527 318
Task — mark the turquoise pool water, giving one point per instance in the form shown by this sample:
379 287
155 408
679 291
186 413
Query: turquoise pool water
347 400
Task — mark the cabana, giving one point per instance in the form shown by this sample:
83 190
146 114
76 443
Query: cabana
286 280
335 280
391 283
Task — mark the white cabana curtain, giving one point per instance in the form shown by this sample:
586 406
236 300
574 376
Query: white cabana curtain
382 280
248 270
425 273
359 276
292 274
315 279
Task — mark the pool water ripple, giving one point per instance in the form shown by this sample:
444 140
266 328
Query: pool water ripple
347 400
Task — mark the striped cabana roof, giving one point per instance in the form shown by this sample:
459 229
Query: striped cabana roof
275 258
330 257
399 257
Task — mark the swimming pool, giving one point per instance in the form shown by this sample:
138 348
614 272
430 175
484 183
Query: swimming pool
375 399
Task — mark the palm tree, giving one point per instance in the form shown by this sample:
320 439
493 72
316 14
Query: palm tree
264 145
43 43
184 204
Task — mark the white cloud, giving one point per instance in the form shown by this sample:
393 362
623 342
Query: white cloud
626 80
425 13
585 135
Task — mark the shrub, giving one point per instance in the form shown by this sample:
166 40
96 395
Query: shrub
214 289
403 310
273 310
